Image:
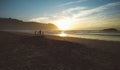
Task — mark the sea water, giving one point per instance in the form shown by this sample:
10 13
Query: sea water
88 34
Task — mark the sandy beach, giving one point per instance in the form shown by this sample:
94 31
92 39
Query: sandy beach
23 51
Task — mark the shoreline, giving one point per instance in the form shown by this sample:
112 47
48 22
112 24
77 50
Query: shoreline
94 37
103 37
90 43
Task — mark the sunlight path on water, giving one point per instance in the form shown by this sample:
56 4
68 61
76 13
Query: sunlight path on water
62 34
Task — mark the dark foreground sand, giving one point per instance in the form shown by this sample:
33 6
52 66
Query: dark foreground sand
27 52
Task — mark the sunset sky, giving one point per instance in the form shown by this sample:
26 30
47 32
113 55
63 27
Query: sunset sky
66 14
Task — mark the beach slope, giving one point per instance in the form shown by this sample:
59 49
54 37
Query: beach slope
20 51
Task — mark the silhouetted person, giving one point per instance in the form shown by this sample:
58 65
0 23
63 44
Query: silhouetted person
40 33
35 33
43 34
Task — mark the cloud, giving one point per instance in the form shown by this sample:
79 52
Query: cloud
96 10
71 10
79 14
71 2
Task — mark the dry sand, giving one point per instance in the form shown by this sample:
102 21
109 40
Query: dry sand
20 51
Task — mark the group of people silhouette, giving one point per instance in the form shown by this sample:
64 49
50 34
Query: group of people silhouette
39 33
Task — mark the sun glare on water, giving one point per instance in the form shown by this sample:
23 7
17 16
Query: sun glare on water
62 34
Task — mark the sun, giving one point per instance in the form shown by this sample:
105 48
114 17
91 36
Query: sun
63 24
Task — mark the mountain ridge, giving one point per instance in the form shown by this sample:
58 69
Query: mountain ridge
15 24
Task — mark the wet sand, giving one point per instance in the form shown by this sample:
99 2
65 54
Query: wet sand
22 51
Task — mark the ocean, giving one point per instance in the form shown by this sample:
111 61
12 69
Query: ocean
88 34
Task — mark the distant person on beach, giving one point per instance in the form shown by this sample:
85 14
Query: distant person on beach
35 33
39 33
42 34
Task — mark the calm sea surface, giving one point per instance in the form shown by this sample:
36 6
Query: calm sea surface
88 34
